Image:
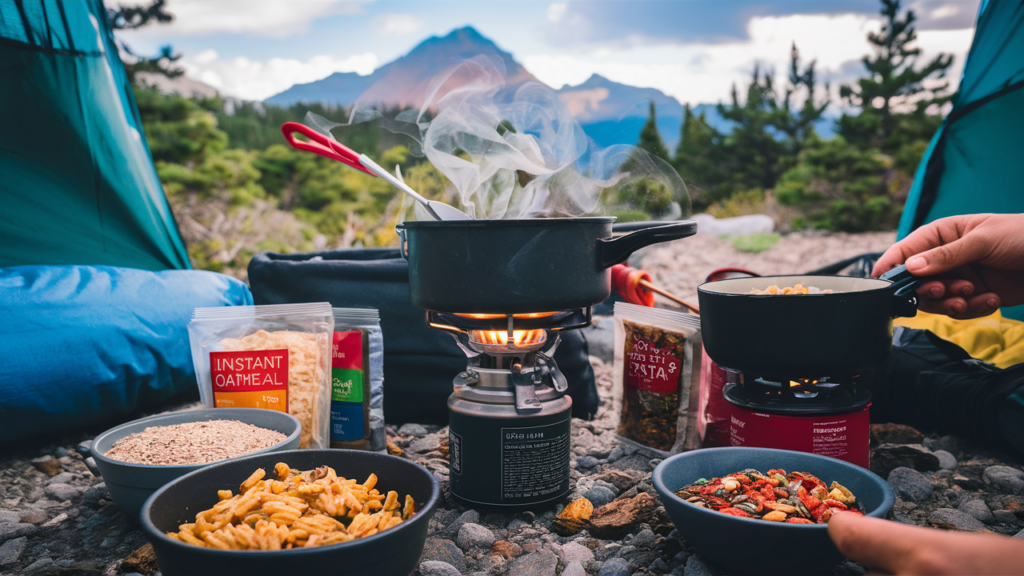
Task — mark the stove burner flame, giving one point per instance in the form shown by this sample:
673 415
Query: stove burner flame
520 338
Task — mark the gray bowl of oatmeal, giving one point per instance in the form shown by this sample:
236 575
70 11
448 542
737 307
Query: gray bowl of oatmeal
137 458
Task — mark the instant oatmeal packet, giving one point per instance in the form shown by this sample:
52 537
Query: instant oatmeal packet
357 381
653 365
276 357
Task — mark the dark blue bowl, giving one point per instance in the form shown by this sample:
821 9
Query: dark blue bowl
393 552
747 546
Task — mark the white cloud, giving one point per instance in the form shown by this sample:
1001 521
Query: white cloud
269 19
397 24
556 11
706 72
253 80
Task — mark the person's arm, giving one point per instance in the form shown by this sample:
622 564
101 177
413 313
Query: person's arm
977 262
893 548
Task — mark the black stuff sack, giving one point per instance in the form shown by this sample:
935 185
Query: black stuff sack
419 362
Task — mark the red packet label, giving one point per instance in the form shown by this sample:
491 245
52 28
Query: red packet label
250 379
652 369
348 350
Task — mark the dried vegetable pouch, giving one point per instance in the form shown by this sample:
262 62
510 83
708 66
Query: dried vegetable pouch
653 363
275 357
357 380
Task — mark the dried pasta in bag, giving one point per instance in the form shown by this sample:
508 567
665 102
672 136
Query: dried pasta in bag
275 357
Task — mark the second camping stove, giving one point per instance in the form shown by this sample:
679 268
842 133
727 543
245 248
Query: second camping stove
509 417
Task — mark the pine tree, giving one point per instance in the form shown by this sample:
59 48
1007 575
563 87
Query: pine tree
894 87
698 158
754 156
798 125
650 140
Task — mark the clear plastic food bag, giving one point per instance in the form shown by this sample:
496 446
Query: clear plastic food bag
276 357
357 380
653 368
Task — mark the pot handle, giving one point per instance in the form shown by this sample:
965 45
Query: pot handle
401 241
904 284
612 251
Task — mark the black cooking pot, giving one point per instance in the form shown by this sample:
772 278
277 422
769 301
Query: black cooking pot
804 335
517 266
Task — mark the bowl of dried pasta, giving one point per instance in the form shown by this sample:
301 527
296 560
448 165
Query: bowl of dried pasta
297 512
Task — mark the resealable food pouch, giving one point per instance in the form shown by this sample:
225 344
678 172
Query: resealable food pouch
653 365
357 381
276 357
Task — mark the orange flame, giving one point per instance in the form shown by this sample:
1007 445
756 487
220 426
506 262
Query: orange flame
519 337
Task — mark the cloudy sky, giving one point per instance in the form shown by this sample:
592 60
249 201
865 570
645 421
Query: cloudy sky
691 49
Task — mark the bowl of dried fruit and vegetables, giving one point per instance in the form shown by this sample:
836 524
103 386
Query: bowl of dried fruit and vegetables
765 511
140 456
300 512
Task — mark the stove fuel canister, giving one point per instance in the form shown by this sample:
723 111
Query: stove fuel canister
498 457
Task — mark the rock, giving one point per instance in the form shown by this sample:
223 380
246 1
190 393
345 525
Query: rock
47 465
615 490
474 536
575 552
62 478
696 567
1004 479
413 429
645 539
443 550
33 516
888 457
55 520
11 550
142 560
573 517
38 564
633 462
616 518
954 520
540 563
574 569
507 549
951 444
977 509
622 479
436 568
1003 517
658 566
895 434
967 483
616 567
95 493
467 517
9 517
586 462
946 460
599 496
1014 504
910 485
679 560
62 492
1019 535
11 531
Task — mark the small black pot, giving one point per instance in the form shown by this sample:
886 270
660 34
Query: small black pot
804 335
393 552
518 266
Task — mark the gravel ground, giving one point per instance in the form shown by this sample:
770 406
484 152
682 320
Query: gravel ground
56 518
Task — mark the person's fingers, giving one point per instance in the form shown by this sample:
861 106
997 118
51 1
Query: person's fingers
981 305
960 287
873 542
947 257
932 290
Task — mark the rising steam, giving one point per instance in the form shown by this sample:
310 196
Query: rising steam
517 152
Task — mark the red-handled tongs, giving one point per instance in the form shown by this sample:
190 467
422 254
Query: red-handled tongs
322 145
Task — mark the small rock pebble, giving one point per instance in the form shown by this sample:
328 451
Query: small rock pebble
62 492
951 519
910 485
413 429
436 568
1003 517
539 563
11 550
574 552
599 496
586 462
616 567
472 536
696 567
889 433
1005 479
978 509
888 457
574 569
443 550
946 460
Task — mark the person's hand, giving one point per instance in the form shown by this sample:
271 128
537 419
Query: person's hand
977 262
891 548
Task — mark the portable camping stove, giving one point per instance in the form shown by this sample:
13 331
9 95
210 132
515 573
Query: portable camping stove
509 418
826 415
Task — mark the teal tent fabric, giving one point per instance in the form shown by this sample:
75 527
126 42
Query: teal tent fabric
77 182
975 162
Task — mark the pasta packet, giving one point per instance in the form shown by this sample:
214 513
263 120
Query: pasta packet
653 369
357 380
276 357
